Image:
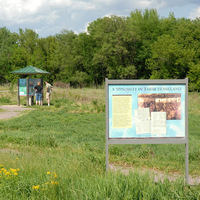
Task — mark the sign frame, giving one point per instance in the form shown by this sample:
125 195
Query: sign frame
159 140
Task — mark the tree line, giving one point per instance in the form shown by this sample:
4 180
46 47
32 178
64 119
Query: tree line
140 46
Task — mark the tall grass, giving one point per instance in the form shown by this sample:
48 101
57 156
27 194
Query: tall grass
4 100
60 153
8 94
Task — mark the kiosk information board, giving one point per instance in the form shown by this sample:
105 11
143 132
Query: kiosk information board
25 88
147 112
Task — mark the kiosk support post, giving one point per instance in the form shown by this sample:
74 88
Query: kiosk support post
27 95
186 132
18 96
107 154
186 164
42 92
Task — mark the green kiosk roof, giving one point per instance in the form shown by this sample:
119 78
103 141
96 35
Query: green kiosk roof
29 70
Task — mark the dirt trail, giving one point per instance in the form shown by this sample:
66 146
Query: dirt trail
157 175
10 111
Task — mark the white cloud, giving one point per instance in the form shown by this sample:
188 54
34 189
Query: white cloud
19 8
76 14
86 27
59 3
51 18
156 4
80 5
145 3
104 2
18 11
195 13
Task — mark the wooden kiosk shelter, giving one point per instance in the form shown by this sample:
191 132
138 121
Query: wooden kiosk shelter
25 86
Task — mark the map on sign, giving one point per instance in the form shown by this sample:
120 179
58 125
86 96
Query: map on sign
146 111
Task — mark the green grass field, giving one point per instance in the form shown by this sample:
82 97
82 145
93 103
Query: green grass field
58 152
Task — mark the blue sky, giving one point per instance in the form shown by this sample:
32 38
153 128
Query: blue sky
49 17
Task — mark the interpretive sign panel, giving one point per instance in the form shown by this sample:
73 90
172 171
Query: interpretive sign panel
22 87
32 84
146 111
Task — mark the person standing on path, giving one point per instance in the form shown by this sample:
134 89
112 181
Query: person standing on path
49 88
38 89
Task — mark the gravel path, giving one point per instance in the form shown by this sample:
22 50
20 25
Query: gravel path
10 111
157 175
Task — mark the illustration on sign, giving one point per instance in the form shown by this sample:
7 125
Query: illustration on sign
167 102
146 111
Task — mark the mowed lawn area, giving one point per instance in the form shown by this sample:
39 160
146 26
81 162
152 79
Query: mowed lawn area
58 152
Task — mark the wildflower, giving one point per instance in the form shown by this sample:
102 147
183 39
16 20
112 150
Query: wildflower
48 172
36 187
2 169
13 170
1 166
55 175
17 158
7 173
15 174
54 182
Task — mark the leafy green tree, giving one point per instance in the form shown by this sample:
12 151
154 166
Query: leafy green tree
83 54
79 79
114 47
28 42
7 42
169 59
147 25
168 25
65 52
194 77
50 58
24 49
